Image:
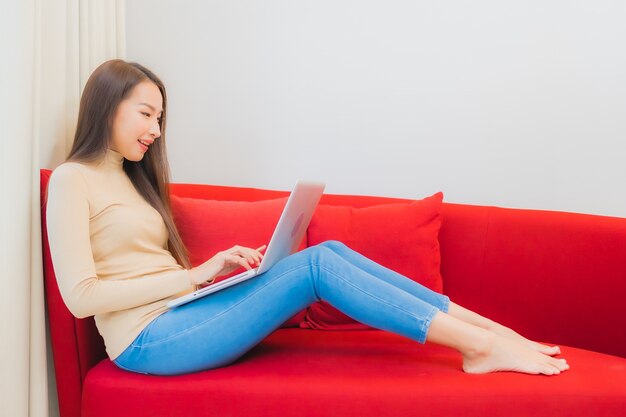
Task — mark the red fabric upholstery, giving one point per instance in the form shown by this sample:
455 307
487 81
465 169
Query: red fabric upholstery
309 373
550 275
557 277
209 226
405 239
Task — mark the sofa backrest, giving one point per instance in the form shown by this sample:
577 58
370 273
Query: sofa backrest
552 276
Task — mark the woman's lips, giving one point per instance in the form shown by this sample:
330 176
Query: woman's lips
142 146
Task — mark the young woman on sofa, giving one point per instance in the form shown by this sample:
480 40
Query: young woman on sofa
118 256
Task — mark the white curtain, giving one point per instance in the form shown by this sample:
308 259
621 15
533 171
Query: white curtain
48 48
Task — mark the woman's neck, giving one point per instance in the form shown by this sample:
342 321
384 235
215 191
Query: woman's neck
113 159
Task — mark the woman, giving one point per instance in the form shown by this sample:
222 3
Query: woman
118 256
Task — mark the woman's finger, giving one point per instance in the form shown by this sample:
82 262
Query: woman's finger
241 253
251 255
251 260
254 255
244 262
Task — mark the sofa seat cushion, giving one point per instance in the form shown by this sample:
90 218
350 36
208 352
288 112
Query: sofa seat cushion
297 372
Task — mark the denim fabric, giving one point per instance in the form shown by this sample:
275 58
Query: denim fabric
216 330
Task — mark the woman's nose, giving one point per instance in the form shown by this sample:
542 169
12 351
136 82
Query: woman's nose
155 129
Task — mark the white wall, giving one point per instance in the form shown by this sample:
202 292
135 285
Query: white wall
515 104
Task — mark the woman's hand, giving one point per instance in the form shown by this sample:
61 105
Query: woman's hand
225 262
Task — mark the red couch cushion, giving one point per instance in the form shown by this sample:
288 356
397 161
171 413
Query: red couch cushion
210 226
400 236
366 373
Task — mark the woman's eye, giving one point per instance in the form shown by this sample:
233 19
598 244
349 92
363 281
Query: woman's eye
146 114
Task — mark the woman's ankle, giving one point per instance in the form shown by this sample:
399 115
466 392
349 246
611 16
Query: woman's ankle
467 338
481 346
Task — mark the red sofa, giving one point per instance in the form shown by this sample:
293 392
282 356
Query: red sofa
554 277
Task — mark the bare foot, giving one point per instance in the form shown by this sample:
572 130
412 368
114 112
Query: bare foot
469 316
502 354
512 335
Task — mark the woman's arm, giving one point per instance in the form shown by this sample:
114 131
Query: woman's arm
70 247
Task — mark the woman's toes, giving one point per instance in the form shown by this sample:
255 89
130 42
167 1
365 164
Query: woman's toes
548 350
554 369
558 364
562 364
554 350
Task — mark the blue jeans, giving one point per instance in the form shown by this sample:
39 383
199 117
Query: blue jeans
218 329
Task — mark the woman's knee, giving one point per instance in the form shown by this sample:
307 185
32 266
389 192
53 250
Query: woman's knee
322 253
333 244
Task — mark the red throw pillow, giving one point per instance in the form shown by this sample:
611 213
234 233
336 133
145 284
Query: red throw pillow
403 237
210 226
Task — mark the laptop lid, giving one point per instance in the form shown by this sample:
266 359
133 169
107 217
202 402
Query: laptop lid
293 222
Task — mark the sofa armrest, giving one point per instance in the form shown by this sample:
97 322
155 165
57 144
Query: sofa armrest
552 276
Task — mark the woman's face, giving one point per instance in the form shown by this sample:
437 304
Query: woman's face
137 120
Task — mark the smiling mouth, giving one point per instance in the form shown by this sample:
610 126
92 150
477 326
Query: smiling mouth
143 146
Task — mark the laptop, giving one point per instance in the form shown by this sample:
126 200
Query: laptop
285 240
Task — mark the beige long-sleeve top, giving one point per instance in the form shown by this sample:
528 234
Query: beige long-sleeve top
109 250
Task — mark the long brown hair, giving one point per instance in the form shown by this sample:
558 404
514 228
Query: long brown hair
107 86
